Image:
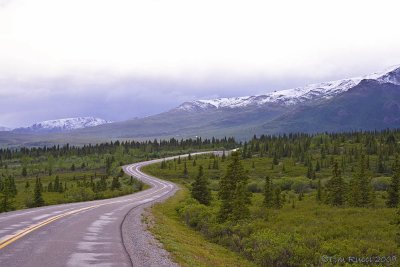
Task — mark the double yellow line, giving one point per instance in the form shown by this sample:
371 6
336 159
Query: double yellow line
32 228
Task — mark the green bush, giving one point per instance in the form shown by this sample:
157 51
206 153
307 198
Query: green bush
79 194
381 183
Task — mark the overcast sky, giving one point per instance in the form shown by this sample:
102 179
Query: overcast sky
119 59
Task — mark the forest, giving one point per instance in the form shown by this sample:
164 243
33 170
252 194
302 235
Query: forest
296 200
38 176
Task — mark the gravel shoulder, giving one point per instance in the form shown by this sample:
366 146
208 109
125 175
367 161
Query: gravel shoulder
140 244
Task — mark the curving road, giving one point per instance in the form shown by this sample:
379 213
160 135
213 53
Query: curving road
107 232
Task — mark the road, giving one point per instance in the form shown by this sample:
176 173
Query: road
107 232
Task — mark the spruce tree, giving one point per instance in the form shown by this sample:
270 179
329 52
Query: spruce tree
37 194
233 191
335 188
223 156
185 170
6 195
24 172
317 166
310 171
115 184
241 200
56 186
277 198
27 185
50 187
361 192
200 190
163 164
394 187
215 164
268 192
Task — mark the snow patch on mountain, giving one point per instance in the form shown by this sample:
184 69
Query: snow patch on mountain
311 92
61 125
4 129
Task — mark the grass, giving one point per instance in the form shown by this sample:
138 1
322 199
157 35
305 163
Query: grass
186 246
321 230
69 178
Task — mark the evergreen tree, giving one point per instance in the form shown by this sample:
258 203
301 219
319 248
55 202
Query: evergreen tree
60 188
200 190
241 200
50 187
310 171
275 160
268 192
361 192
277 198
163 164
6 195
37 194
335 188
185 170
27 185
223 156
317 166
56 186
108 165
115 184
103 183
215 164
394 187
24 172
233 191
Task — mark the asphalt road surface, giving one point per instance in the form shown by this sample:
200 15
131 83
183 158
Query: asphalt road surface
107 232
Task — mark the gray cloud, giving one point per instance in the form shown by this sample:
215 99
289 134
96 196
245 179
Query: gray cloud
24 101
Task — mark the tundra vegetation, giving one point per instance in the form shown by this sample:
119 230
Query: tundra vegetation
290 200
38 176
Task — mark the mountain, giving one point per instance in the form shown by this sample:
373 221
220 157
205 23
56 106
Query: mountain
61 125
276 112
4 129
361 103
291 97
370 105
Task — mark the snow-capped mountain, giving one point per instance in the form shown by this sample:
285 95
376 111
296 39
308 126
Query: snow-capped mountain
4 129
290 97
62 125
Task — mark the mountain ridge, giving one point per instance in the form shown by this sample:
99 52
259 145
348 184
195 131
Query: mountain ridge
372 103
294 96
61 125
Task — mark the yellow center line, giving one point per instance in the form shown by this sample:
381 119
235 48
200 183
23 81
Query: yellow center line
32 228
20 234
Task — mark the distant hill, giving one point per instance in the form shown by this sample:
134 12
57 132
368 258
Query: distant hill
4 129
362 103
368 106
61 125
